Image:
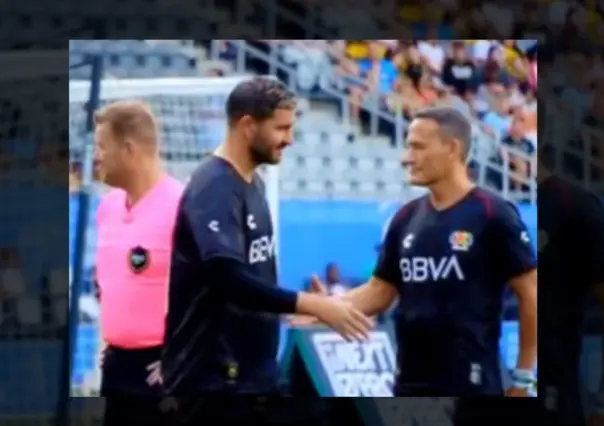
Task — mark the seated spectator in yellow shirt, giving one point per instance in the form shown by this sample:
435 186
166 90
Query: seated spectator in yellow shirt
515 63
359 49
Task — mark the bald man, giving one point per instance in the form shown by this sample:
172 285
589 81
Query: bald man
135 223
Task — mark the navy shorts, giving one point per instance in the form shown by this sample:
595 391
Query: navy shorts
124 386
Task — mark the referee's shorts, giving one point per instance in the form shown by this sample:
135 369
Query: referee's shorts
124 386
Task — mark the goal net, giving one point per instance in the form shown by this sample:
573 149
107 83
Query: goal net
192 121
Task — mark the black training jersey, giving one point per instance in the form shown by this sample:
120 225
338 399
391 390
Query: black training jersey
210 343
571 260
450 268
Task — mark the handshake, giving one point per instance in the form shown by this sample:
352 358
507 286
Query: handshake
316 306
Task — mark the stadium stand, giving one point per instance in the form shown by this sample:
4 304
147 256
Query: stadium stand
327 75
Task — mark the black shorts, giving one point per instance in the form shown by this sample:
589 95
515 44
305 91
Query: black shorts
125 389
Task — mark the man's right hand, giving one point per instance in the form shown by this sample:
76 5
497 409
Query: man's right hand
342 316
316 287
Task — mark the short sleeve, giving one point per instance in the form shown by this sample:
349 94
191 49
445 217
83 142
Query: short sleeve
215 217
387 267
515 253
591 225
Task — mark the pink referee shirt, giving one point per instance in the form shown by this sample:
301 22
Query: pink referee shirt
133 264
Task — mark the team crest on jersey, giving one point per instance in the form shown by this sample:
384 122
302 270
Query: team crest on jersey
138 259
461 240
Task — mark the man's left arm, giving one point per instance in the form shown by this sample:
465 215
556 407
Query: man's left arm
525 289
518 265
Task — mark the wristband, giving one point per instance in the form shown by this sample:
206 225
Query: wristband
523 379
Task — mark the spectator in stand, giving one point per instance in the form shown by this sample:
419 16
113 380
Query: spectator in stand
516 139
459 72
378 77
516 94
334 282
446 97
492 79
358 50
515 61
481 49
426 90
498 119
409 61
530 116
494 70
407 99
433 53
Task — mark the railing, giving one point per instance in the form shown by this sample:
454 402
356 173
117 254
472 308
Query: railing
338 87
485 147
509 175
331 86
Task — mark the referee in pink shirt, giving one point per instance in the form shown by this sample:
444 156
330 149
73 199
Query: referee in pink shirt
135 224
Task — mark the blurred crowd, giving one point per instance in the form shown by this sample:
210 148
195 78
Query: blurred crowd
493 82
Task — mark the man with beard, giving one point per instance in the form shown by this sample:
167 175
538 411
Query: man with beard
222 333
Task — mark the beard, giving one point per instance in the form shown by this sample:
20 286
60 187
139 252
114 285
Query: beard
261 153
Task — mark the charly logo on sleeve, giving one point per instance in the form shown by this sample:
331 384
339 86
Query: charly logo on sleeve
357 368
138 259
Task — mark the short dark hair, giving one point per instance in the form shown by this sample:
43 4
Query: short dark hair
452 123
259 98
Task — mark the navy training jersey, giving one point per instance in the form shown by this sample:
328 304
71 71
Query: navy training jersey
450 268
211 344
571 261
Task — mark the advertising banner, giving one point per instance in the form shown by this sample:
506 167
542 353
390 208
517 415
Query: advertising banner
365 369
348 369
